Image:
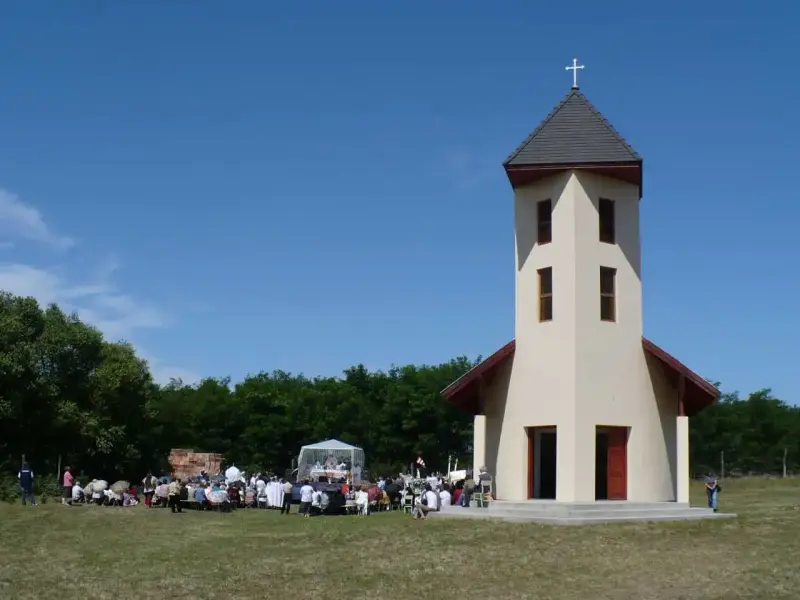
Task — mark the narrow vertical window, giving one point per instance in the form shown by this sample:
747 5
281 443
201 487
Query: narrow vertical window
607 230
546 294
608 294
544 221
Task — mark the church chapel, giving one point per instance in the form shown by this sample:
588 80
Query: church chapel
579 406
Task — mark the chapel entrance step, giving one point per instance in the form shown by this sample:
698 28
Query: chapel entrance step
584 512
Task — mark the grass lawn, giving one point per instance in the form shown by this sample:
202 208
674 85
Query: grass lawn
93 552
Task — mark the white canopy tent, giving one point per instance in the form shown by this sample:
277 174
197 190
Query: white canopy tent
330 459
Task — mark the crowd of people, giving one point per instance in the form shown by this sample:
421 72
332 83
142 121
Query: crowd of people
230 490
437 492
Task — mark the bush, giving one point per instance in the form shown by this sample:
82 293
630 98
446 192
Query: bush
43 489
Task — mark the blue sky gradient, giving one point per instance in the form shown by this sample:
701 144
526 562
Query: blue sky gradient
248 186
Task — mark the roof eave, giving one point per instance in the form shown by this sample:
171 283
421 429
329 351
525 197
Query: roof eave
628 171
494 361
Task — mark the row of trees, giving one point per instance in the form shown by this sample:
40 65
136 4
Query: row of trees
67 396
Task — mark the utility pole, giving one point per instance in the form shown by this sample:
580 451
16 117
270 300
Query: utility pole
722 464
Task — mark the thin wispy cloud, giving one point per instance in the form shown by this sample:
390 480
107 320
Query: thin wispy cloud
99 303
163 373
19 220
95 297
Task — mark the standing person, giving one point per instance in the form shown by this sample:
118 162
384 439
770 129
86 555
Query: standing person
67 488
466 493
306 496
287 497
174 495
25 477
712 491
149 484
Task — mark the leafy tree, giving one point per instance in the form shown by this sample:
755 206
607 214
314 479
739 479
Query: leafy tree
67 394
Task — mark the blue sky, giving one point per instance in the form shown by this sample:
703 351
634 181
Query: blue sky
247 186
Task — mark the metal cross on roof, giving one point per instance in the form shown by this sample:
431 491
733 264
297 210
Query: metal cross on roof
574 68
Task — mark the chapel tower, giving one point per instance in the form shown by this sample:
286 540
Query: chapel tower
578 325
579 407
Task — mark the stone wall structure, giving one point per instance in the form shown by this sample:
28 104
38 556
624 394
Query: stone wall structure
185 463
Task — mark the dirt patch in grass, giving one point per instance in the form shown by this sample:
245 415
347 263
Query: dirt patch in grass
92 553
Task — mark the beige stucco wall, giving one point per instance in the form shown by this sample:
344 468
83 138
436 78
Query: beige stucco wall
577 372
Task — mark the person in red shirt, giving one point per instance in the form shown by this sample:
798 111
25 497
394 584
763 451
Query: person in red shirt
457 493
67 488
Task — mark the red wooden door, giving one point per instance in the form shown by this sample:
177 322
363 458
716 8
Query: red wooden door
618 463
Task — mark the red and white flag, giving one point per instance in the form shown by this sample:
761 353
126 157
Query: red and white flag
421 462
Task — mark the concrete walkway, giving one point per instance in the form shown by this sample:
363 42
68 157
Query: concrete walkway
582 513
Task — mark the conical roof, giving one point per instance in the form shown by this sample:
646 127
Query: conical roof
575 132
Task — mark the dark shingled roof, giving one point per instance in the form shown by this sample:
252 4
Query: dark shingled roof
573 133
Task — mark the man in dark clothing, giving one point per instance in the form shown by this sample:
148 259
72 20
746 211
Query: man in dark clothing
392 491
25 477
286 505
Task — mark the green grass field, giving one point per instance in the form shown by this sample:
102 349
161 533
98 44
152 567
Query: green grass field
93 552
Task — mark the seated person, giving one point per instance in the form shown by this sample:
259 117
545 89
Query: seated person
200 497
393 491
316 501
77 492
456 496
262 498
130 498
383 501
484 479
428 503
374 493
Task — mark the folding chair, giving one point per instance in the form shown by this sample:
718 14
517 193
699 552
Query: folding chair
483 493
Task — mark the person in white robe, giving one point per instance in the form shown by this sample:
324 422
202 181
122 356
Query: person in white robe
275 493
445 499
362 502
232 474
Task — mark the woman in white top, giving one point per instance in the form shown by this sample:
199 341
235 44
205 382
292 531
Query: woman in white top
429 502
